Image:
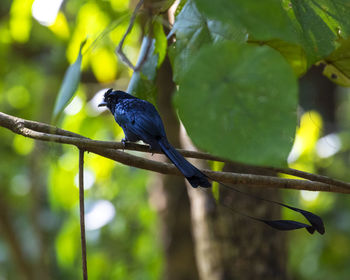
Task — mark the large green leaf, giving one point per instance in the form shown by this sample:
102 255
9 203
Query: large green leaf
193 30
239 102
69 85
264 20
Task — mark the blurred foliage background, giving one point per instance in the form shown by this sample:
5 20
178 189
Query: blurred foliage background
40 232
39 219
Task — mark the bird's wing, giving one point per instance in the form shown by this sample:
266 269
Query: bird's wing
141 118
123 116
148 121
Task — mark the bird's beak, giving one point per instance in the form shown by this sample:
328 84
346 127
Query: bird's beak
102 104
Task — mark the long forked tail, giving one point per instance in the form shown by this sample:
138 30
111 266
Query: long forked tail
197 178
193 175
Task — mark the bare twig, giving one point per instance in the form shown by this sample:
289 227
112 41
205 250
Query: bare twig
82 214
119 51
45 132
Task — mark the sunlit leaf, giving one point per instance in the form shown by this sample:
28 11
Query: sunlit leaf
337 67
304 147
294 54
216 166
104 65
69 85
245 110
91 21
60 26
161 41
21 20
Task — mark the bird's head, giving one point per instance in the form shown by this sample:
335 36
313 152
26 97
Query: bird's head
111 97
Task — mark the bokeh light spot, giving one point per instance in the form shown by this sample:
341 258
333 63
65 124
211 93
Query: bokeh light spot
18 97
45 11
328 145
101 213
89 179
20 185
309 195
74 106
23 145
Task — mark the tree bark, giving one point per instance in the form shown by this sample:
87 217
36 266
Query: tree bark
170 195
231 246
257 251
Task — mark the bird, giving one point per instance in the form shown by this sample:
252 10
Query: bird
140 120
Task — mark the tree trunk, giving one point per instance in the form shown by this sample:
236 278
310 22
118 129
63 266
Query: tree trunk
231 246
170 195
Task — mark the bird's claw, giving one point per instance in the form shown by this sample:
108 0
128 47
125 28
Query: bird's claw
151 150
124 143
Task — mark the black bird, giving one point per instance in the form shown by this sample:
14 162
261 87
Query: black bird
140 120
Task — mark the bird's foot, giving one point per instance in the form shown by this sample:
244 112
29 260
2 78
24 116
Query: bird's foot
124 141
151 150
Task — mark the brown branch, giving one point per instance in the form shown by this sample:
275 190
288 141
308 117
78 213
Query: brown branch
109 150
42 127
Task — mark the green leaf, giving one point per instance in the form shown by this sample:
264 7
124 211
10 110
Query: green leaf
216 166
142 82
161 42
334 13
337 67
179 7
69 85
294 54
264 20
142 87
317 35
193 30
245 108
161 6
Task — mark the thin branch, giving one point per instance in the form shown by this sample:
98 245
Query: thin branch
120 52
108 150
82 214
